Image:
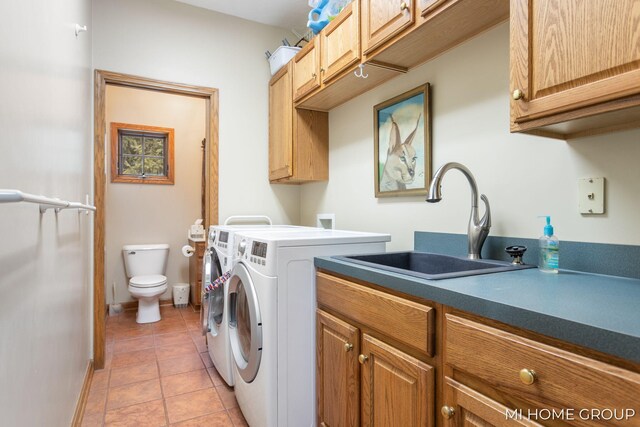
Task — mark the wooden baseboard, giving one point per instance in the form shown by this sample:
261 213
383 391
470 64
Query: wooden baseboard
84 394
132 305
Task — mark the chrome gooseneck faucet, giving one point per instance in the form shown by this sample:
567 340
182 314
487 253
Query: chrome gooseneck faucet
478 228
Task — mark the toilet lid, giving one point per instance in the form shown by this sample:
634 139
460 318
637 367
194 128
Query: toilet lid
148 281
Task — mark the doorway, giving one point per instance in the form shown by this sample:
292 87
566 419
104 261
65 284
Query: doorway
102 80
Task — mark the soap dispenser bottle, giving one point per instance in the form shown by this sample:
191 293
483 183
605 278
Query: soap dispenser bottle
549 249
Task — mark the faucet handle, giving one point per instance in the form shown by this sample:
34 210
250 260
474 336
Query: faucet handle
485 221
516 252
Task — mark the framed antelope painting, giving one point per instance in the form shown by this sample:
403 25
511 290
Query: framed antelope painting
402 144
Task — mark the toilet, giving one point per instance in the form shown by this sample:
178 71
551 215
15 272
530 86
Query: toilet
145 266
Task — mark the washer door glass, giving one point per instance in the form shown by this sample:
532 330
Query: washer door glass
210 300
245 323
216 298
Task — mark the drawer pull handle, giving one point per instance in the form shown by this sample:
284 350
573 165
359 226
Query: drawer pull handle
527 376
517 95
447 412
362 358
348 346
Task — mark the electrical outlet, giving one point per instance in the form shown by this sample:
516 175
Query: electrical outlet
591 196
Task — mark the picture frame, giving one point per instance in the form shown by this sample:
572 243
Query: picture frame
402 144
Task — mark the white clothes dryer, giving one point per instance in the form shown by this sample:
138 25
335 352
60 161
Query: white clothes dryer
272 304
220 259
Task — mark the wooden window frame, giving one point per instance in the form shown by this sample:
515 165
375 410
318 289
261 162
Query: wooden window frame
169 179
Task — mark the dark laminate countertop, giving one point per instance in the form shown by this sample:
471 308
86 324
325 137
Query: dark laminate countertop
592 310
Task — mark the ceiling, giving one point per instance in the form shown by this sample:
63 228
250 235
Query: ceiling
279 13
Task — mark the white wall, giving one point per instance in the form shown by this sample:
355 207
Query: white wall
45 260
147 213
167 40
523 176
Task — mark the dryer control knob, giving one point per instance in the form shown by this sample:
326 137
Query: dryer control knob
242 247
212 236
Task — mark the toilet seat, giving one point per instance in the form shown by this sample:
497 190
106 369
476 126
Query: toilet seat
150 281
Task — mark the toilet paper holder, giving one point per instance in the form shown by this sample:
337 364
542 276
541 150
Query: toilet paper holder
188 251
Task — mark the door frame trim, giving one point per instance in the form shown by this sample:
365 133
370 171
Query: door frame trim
103 78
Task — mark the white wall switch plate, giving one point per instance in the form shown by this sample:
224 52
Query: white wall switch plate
591 196
326 220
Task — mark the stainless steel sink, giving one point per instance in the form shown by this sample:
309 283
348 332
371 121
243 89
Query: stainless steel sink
431 266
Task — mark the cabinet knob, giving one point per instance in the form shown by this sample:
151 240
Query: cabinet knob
517 94
403 6
322 70
447 412
527 376
348 346
362 358
314 75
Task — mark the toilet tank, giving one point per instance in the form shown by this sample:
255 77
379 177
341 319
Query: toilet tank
144 260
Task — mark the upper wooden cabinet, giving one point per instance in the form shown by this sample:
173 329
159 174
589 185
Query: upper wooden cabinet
383 19
306 69
298 138
438 25
572 59
340 42
327 55
280 125
387 37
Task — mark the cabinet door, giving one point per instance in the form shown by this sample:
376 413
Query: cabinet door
306 69
337 379
466 407
397 389
568 54
383 19
280 125
341 42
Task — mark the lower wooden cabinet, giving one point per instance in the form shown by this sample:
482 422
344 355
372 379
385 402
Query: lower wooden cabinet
548 384
363 381
376 365
397 389
466 407
338 371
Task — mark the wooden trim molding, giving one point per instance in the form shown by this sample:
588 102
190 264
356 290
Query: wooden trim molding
101 80
84 394
133 305
168 179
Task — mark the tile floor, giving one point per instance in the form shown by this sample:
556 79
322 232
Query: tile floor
159 374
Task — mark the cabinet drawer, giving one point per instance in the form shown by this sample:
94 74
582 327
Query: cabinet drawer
560 379
471 408
405 321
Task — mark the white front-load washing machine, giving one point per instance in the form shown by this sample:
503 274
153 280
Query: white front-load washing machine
272 304
218 260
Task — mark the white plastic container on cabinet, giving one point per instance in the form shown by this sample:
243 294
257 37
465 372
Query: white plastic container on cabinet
281 56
